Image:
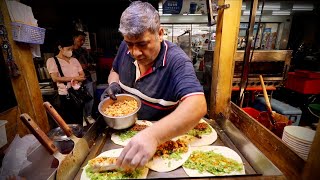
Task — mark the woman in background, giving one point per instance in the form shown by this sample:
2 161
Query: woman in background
72 72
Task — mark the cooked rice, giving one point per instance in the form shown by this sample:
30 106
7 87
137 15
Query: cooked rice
122 108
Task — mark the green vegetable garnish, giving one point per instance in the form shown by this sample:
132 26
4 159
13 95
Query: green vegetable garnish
212 162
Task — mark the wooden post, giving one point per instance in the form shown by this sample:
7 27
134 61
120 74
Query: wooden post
311 168
26 86
228 23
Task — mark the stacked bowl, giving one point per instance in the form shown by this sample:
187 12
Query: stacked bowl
299 139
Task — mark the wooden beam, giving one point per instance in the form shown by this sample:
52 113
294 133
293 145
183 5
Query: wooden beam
228 23
26 86
288 162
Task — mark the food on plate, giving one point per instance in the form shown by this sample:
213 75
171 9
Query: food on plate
202 134
123 137
121 108
213 161
169 156
102 164
102 167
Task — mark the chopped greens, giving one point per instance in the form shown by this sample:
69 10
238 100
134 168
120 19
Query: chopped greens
127 134
212 162
117 174
197 133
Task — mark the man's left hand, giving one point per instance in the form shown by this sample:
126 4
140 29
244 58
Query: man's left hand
138 151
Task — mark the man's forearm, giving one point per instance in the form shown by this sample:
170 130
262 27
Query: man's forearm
181 120
113 77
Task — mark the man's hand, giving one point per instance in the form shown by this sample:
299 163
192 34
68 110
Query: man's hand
138 151
113 89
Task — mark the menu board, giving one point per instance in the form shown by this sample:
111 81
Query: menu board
184 7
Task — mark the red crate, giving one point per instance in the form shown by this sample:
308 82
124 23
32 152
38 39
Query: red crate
302 82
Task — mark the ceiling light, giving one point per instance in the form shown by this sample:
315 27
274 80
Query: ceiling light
302 7
244 7
281 13
270 6
247 13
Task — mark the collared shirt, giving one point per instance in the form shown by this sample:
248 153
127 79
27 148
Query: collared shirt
69 69
170 80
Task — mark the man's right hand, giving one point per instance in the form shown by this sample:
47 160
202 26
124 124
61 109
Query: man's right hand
113 89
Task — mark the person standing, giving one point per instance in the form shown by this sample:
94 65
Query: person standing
86 61
72 71
162 75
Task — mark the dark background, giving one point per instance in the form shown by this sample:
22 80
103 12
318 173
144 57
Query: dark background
99 16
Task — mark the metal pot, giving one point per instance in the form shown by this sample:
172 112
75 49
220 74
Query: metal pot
121 122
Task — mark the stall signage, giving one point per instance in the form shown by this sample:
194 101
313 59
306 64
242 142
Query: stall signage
245 26
184 7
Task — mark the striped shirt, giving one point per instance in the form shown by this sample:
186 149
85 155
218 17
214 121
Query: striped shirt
170 80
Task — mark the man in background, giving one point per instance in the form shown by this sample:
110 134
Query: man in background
86 61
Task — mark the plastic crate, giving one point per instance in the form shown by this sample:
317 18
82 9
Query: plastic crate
303 82
27 34
293 114
252 112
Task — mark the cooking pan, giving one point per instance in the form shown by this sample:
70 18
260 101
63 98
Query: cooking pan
65 170
81 147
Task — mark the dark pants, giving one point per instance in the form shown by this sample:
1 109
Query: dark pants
69 112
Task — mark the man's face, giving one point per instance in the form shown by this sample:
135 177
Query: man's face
79 41
146 47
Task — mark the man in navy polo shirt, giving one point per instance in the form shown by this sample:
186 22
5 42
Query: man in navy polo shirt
161 75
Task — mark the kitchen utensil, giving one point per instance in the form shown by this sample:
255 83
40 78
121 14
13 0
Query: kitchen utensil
119 122
278 121
65 170
266 98
81 147
247 57
44 140
62 141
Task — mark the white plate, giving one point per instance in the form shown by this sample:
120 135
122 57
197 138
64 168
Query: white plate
112 153
225 151
301 133
116 138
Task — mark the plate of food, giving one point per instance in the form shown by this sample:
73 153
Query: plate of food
213 161
123 137
201 135
169 156
103 167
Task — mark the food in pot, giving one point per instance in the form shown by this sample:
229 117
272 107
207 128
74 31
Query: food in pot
121 108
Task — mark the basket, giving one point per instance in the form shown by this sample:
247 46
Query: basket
27 34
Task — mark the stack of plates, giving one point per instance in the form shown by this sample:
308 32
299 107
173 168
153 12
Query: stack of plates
299 139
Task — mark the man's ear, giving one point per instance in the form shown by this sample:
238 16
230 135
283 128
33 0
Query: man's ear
59 47
161 33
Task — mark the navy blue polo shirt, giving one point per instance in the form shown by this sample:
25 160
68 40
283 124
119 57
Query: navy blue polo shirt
170 80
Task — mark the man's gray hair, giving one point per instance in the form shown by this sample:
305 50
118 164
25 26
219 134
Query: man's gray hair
138 18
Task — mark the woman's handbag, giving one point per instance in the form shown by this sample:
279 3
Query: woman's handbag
78 97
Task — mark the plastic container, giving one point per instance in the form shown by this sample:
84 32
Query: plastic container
303 82
252 112
293 114
3 134
27 34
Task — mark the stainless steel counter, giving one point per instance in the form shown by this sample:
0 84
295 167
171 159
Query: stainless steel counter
223 140
98 137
